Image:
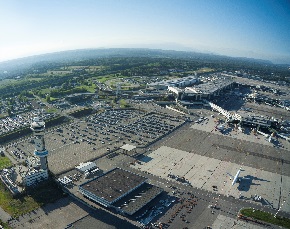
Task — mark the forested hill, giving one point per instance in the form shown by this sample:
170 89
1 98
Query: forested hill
87 56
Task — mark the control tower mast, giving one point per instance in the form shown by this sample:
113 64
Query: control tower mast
38 127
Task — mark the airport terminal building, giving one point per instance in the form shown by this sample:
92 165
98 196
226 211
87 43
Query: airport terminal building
202 91
177 82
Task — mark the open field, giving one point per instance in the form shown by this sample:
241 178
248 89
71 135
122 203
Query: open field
16 207
201 70
5 82
35 198
266 217
5 225
4 162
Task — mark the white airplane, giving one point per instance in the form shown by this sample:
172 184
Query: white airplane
236 177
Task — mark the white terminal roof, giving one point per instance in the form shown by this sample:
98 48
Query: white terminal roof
86 166
128 147
172 82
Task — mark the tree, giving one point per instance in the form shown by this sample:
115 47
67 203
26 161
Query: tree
48 99
9 112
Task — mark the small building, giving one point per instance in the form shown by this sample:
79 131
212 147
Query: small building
127 147
18 177
260 122
34 176
86 167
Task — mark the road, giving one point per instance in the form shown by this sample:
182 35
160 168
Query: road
4 216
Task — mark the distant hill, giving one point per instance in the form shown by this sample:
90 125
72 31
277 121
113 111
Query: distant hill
17 66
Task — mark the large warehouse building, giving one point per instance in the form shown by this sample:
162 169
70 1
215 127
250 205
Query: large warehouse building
125 191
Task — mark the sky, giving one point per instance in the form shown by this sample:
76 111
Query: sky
243 28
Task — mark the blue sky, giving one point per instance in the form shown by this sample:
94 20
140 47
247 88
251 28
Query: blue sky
248 28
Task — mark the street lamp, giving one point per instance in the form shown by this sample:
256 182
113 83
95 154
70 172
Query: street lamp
279 209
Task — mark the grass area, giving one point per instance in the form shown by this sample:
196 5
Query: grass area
201 70
104 79
34 79
45 91
123 85
4 225
3 115
53 98
50 73
4 162
51 110
91 88
58 72
111 77
16 83
16 207
43 194
266 217
6 82
123 103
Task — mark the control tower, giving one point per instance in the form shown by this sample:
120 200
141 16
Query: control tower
38 127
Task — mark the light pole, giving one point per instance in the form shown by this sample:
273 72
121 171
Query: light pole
279 209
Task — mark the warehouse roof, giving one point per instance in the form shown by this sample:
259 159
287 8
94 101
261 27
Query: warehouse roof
113 184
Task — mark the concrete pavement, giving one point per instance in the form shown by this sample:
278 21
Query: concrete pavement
4 216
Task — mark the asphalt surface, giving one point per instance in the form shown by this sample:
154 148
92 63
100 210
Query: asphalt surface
191 207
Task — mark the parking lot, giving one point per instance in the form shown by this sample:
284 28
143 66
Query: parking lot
10 124
196 156
91 137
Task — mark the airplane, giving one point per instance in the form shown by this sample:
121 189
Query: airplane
236 178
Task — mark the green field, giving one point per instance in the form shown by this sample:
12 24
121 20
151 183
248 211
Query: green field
91 88
51 110
36 198
201 70
266 217
4 225
6 82
16 207
103 79
123 103
4 162
204 70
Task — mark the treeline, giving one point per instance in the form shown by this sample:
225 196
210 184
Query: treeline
146 64
129 66
121 59
61 92
26 85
